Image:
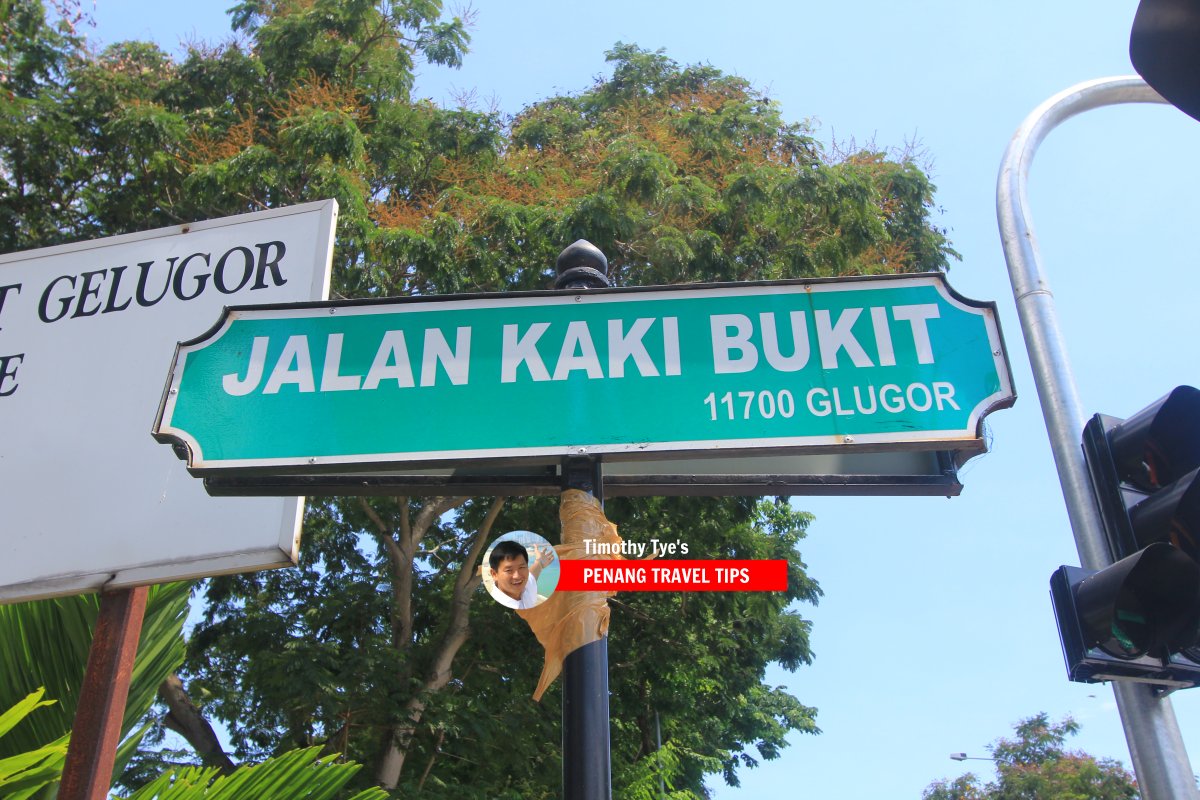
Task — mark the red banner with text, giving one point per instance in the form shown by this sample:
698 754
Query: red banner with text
585 575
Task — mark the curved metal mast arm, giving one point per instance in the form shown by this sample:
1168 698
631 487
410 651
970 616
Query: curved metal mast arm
1155 743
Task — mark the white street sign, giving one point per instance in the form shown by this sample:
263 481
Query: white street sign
88 499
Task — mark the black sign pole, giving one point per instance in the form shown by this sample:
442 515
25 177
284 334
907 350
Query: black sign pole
586 749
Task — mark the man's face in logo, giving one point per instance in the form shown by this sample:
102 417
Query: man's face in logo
511 576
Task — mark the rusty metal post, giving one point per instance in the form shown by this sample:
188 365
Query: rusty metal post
96 731
587 744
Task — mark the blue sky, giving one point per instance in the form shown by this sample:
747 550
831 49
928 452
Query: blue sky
935 634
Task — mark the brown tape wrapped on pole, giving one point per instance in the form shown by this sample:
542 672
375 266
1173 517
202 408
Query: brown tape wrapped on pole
569 620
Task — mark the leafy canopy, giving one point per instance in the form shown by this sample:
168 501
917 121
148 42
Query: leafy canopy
1036 764
375 646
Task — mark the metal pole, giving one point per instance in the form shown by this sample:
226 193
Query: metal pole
586 744
96 730
587 753
1155 743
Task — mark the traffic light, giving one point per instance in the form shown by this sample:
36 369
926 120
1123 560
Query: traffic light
1164 46
1139 618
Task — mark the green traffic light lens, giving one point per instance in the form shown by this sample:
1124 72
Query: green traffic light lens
1130 633
1148 603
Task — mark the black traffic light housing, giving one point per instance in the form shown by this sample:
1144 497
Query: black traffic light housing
1164 46
1144 472
1139 619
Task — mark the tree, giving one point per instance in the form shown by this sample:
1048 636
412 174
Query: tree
677 174
344 670
375 646
35 147
48 643
46 646
1036 765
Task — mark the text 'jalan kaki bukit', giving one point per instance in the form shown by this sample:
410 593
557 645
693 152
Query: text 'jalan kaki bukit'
545 351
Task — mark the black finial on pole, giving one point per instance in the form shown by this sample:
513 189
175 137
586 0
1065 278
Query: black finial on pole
581 266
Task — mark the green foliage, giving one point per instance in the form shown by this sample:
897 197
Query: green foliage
697 660
37 156
334 672
331 661
47 642
653 777
24 775
298 775
46 647
1035 764
46 650
129 139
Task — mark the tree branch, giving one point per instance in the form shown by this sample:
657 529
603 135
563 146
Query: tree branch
400 569
184 717
457 632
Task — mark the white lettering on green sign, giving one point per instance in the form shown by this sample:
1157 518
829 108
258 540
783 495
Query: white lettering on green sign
787 365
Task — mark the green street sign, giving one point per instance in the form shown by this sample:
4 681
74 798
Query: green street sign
861 364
